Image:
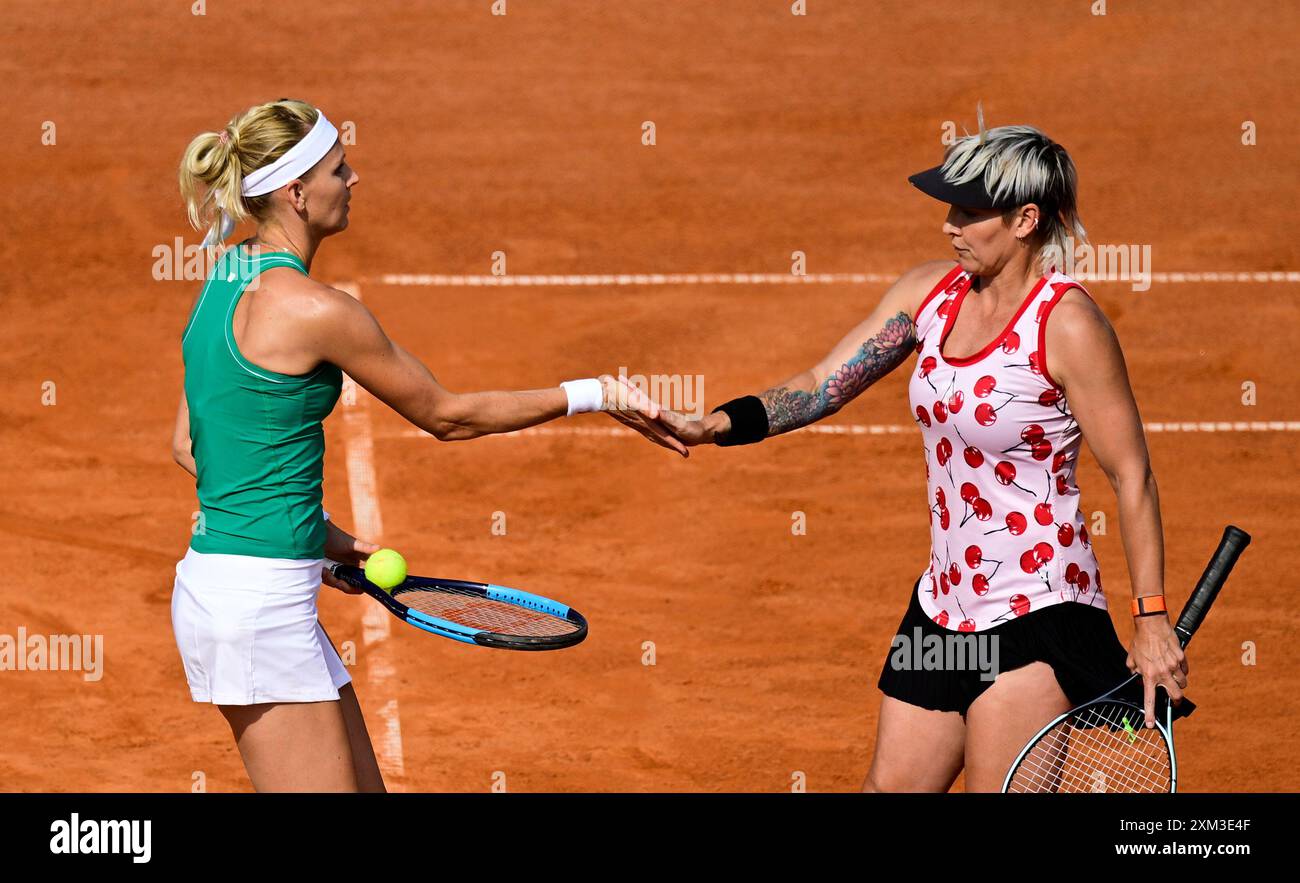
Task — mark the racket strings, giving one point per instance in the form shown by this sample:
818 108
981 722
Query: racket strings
475 611
1104 747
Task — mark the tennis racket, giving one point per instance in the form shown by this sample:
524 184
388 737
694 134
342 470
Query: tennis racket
1103 745
474 613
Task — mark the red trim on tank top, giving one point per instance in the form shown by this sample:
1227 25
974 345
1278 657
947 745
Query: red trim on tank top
943 283
997 341
1060 289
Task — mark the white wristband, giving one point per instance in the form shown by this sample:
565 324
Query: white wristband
326 514
585 395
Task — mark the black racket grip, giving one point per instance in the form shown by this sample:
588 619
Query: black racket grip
353 576
1234 542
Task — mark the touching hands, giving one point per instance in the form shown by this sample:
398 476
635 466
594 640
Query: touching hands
703 431
637 411
667 428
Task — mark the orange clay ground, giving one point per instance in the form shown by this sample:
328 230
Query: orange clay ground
477 133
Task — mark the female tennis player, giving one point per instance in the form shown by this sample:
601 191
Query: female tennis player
1016 365
265 350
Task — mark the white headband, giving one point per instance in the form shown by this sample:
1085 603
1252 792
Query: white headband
296 162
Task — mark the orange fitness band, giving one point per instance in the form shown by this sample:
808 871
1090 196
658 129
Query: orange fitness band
1148 605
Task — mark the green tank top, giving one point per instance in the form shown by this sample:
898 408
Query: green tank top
256 435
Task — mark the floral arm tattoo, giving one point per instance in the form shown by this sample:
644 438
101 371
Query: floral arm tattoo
789 409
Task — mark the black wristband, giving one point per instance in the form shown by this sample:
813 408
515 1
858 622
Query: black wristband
748 422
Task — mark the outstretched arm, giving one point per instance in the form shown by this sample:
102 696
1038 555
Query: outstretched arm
866 354
340 330
870 351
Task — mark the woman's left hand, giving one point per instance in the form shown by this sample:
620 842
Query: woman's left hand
344 548
1157 655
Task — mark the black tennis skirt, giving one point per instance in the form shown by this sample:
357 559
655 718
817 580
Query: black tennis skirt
1079 643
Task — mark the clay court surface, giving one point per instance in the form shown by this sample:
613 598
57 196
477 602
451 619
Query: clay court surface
477 133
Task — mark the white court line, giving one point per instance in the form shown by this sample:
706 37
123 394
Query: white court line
439 280
608 279
880 429
363 488
1221 426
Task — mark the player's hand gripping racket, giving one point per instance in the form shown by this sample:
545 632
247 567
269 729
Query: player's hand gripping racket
1103 745
475 613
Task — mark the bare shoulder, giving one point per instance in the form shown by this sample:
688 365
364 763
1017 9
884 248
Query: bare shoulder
312 321
307 300
912 287
926 276
1078 336
1077 317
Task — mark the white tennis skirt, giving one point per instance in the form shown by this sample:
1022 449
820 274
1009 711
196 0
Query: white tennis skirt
248 631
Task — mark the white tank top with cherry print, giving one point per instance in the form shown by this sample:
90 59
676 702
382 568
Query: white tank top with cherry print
1001 447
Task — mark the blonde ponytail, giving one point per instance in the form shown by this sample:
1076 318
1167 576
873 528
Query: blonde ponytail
213 167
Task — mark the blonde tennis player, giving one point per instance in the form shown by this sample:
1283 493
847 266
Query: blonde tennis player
1015 367
265 349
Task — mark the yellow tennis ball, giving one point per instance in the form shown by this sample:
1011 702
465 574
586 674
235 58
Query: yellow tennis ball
386 568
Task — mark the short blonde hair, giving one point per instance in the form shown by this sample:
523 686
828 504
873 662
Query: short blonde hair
1020 165
213 167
